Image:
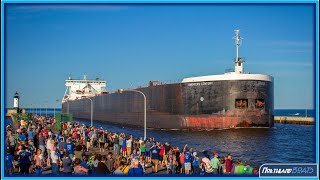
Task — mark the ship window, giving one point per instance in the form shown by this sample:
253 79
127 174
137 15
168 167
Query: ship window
259 103
241 103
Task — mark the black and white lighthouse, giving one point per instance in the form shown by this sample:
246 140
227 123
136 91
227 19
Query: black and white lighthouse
16 101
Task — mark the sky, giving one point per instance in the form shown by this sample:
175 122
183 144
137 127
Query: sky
129 44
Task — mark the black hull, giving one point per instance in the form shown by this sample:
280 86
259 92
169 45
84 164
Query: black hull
179 106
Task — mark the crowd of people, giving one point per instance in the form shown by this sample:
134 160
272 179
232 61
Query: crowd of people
77 149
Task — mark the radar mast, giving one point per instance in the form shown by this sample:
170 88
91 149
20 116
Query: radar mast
239 61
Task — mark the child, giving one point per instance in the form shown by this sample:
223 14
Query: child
135 153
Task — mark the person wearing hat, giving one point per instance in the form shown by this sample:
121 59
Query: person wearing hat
215 163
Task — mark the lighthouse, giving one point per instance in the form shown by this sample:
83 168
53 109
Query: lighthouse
16 101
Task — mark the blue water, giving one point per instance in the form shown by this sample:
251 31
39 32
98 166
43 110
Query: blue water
277 112
285 143
295 112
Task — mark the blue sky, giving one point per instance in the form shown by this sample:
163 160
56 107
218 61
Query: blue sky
129 44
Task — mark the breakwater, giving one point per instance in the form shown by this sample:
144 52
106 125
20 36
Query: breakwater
294 120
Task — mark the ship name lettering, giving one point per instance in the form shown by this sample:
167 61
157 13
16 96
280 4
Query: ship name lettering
200 84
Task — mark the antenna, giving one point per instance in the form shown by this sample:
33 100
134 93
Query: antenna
237 39
238 61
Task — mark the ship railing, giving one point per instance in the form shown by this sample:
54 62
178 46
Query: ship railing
139 86
229 70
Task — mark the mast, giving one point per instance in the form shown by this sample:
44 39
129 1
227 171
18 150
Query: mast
238 61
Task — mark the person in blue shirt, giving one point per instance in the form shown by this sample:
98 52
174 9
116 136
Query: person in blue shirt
69 147
84 163
59 136
9 163
124 147
155 149
136 170
31 135
195 163
187 160
24 160
135 153
22 137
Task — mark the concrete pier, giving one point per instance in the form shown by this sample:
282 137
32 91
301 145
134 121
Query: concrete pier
294 120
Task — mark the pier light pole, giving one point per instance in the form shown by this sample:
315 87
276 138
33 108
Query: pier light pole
145 110
91 117
36 110
54 109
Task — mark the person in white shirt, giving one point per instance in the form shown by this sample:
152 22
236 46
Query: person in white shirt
48 145
54 161
129 145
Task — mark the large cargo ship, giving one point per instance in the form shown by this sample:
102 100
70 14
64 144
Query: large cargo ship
231 100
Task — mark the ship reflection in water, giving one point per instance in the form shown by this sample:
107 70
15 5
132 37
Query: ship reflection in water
281 144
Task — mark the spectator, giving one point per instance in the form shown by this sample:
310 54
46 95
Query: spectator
135 170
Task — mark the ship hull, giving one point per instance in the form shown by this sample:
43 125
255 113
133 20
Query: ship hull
196 106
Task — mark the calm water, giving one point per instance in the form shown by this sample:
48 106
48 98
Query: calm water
281 144
277 112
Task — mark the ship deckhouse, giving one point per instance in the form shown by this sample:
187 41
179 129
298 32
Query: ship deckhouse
78 89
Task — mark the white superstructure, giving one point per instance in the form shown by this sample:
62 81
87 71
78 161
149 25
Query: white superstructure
236 74
77 89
